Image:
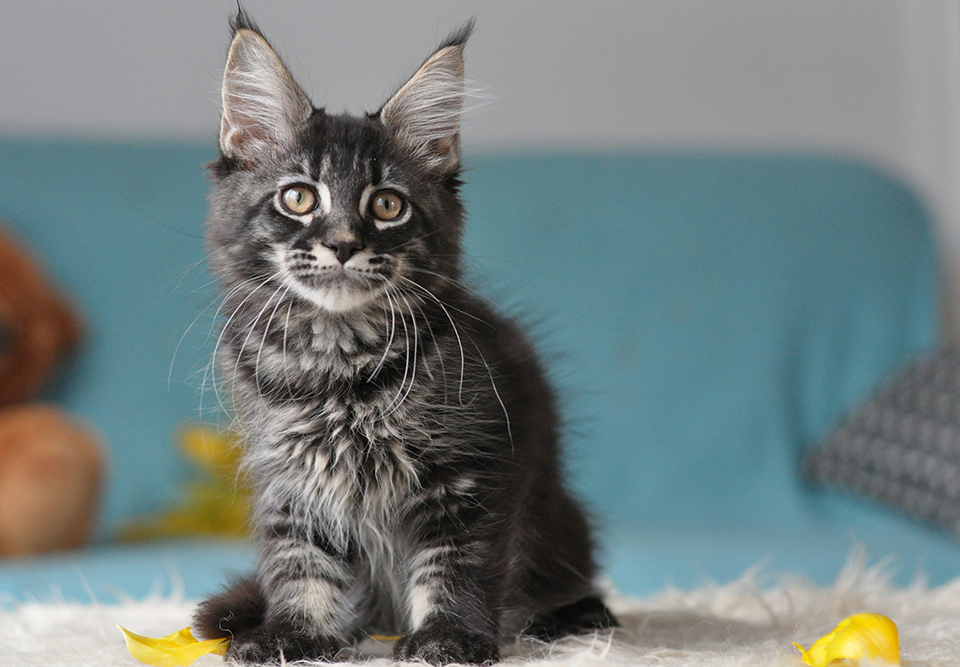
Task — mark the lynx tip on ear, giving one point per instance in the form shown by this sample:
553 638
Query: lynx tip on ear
424 114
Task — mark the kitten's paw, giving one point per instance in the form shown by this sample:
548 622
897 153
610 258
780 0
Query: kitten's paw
588 614
444 643
270 646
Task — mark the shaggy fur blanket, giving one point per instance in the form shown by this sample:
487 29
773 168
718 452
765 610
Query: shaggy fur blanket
749 622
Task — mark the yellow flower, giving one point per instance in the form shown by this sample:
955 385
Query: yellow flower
868 637
176 650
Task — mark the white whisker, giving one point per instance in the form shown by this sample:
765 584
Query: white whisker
266 331
416 348
252 328
386 348
226 326
406 366
456 332
496 393
283 350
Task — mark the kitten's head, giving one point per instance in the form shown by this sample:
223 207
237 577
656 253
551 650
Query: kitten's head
335 210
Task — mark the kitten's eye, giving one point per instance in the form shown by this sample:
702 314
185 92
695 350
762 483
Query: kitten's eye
298 199
386 205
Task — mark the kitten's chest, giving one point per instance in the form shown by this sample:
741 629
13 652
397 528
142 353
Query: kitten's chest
340 419
340 455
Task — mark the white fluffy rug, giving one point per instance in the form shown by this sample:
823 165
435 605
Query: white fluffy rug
745 623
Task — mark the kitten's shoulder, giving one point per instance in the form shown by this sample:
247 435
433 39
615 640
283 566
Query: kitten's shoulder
505 333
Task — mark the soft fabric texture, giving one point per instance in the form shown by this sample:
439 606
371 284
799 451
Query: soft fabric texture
902 445
750 622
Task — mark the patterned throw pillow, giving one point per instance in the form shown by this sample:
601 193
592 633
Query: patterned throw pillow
902 446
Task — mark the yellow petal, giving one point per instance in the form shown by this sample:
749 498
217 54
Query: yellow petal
176 650
870 637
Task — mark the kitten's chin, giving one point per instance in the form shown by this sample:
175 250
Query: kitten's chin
335 298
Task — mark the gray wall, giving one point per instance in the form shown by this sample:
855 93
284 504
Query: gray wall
878 80
694 72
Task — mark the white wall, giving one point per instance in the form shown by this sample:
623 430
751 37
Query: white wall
873 79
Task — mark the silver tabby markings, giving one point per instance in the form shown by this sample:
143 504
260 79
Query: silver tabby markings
400 434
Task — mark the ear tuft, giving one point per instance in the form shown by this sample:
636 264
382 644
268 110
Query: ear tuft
263 107
460 36
424 114
243 21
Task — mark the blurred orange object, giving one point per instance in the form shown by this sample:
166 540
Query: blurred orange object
50 465
50 473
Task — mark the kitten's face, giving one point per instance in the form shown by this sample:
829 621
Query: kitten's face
339 221
335 210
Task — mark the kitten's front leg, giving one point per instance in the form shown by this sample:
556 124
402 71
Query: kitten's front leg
308 609
449 607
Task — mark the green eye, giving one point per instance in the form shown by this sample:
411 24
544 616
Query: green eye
298 199
386 205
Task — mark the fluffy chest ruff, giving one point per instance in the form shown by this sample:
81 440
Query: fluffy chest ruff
359 435
336 467
352 423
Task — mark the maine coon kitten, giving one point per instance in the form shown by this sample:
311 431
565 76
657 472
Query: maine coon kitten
399 433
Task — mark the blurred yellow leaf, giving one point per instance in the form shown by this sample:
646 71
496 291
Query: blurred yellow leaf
176 650
210 447
217 502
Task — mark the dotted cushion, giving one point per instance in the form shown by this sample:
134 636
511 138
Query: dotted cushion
902 446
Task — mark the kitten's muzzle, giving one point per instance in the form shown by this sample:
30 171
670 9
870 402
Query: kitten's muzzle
344 250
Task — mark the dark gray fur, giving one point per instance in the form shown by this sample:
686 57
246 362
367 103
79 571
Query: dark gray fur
402 440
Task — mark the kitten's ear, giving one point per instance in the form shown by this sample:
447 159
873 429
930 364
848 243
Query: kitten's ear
424 114
262 105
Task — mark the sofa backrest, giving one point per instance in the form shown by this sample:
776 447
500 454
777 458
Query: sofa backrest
705 316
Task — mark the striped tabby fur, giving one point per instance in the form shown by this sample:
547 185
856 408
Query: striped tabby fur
400 434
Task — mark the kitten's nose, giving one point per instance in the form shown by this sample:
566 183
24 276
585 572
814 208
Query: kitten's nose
344 250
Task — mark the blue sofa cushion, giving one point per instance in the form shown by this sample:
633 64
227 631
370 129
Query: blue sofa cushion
706 318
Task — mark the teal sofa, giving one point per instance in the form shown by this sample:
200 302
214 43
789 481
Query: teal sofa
707 317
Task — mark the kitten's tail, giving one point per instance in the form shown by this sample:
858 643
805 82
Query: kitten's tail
239 609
